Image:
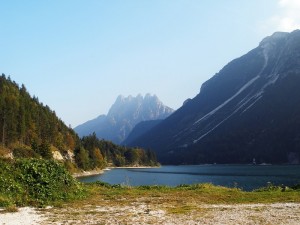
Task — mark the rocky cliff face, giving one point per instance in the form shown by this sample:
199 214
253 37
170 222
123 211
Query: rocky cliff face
124 114
250 109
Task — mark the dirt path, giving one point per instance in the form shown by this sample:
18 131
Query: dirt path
145 213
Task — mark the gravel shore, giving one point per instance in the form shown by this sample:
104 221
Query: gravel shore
141 213
24 216
101 171
88 173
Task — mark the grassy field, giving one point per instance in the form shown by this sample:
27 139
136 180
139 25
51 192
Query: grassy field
191 204
204 193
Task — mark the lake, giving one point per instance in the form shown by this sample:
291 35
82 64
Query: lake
247 177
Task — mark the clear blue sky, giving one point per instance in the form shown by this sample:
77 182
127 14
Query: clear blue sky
77 56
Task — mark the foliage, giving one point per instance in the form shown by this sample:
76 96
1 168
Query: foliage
271 187
296 187
188 194
43 149
25 120
70 167
35 130
82 158
95 153
23 152
36 182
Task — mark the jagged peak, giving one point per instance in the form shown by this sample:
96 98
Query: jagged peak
148 96
122 101
139 96
120 98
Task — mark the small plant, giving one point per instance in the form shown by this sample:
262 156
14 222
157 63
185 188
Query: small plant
5 201
11 208
296 187
102 184
153 187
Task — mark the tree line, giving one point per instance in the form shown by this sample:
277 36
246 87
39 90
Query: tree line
93 153
32 129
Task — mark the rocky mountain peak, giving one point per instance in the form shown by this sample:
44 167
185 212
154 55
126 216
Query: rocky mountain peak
123 115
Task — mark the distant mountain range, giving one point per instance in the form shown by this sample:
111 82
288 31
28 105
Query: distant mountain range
249 110
122 117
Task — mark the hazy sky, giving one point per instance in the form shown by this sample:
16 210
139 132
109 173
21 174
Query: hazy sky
77 56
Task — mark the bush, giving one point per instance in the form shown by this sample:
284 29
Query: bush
25 153
271 188
71 167
36 182
296 187
43 149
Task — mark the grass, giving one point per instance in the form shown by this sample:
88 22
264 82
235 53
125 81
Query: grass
4 151
182 198
11 209
120 204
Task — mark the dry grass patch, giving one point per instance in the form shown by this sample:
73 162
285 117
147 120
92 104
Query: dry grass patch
4 152
164 205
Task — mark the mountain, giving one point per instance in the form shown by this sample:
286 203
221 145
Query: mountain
250 109
140 129
28 129
124 114
26 122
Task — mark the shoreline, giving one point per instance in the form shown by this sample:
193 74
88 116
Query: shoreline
101 171
88 173
130 167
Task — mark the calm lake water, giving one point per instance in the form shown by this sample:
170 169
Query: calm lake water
247 177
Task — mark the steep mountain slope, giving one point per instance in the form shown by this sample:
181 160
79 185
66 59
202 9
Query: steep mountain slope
140 129
24 121
250 109
124 114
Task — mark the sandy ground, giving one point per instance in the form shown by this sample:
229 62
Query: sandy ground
24 216
99 171
88 173
141 213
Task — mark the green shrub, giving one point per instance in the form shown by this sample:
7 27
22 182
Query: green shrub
43 149
25 153
5 201
102 184
272 188
36 182
71 167
153 187
296 187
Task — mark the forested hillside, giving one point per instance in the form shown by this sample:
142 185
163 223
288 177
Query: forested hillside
98 153
24 120
29 129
